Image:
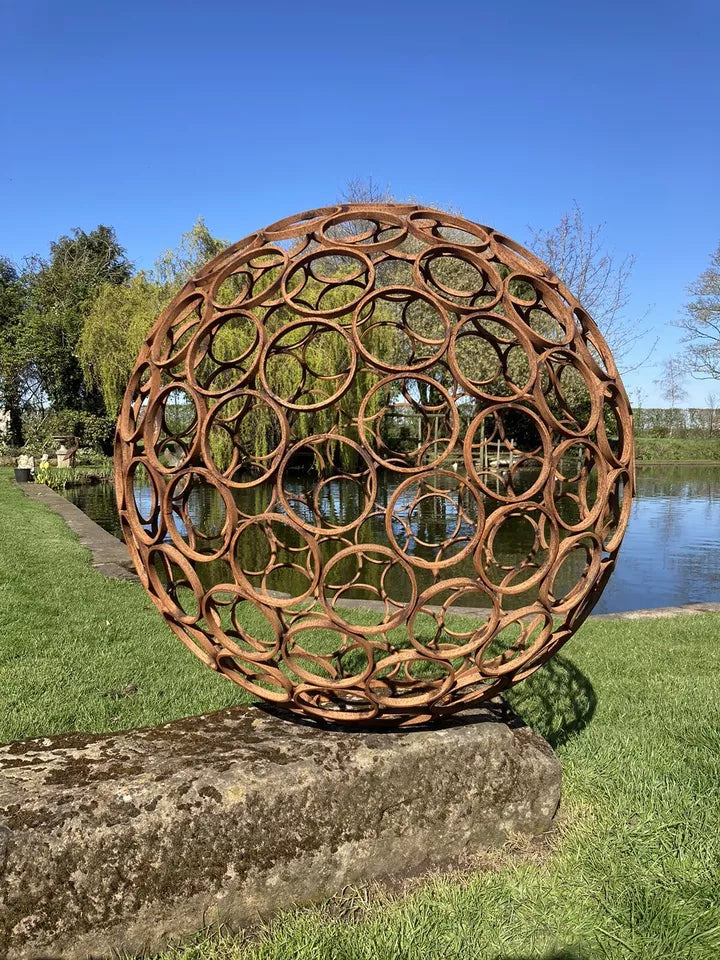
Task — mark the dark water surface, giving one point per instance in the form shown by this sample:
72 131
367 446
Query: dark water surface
670 554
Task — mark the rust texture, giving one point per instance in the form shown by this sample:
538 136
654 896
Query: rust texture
390 463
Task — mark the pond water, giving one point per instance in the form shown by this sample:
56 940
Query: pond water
670 554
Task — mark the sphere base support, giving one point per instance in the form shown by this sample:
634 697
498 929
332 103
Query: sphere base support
126 842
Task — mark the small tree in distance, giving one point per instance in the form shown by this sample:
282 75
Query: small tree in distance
671 386
576 252
711 401
360 190
701 324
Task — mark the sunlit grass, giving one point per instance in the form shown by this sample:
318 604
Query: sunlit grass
633 710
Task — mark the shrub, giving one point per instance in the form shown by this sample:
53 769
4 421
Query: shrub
92 431
676 448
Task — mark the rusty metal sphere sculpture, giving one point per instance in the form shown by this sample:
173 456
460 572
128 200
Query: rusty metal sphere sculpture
389 461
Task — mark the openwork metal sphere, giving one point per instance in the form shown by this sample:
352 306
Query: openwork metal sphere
374 463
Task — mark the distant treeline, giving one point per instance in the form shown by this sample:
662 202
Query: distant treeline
688 422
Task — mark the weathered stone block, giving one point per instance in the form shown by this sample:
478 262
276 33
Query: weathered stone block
123 841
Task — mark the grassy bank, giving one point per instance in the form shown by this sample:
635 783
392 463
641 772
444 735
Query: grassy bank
633 709
664 449
73 644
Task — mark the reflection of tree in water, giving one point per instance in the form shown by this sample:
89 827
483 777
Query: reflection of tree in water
670 518
670 489
686 573
433 520
675 480
557 701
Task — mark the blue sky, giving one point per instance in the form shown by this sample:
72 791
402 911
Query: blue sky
146 115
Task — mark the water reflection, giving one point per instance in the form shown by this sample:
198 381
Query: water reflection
670 554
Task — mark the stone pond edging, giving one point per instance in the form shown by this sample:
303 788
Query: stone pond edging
683 610
109 555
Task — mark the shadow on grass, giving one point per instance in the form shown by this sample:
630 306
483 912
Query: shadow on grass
557 702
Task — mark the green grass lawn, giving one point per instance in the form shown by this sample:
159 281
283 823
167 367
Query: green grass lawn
633 709
664 449
72 642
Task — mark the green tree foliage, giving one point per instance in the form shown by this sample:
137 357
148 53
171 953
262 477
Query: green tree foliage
307 367
61 293
175 267
113 333
121 316
13 366
93 431
87 317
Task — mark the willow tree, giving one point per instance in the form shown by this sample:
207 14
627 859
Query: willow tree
116 326
304 368
121 315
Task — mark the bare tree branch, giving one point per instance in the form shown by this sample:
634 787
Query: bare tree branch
362 190
700 324
575 251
